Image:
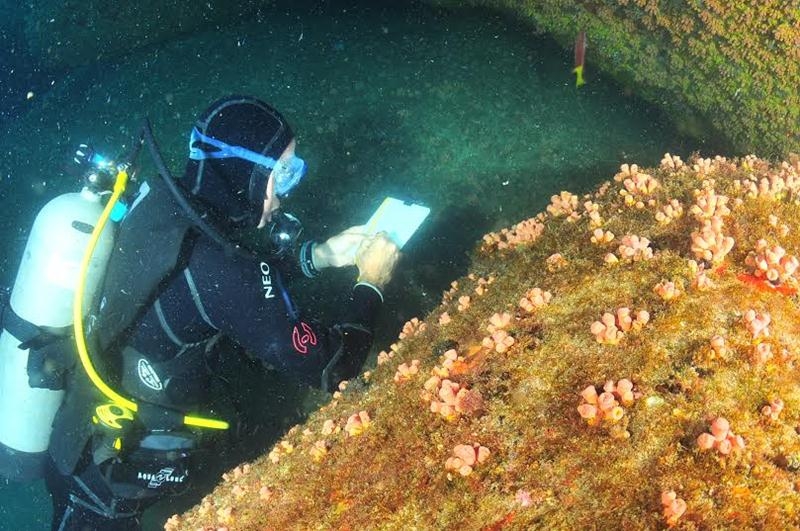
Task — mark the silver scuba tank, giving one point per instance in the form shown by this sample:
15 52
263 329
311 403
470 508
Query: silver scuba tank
42 296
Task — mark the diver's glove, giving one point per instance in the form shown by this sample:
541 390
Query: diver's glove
354 343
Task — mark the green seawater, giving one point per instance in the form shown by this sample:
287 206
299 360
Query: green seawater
470 112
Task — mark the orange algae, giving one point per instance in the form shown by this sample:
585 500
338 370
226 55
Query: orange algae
720 350
763 284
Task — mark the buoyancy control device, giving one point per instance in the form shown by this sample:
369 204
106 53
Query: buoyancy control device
40 312
62 267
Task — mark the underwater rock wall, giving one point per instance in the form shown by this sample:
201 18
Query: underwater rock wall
730 65
63 34
626 359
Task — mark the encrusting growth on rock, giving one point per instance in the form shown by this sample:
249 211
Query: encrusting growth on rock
625 358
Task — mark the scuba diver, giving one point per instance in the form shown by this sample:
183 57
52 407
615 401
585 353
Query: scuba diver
178 279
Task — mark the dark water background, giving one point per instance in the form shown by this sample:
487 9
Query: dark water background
470 112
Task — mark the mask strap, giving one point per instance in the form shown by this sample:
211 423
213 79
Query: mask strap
224 151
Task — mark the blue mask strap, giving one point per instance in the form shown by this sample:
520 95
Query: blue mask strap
285 181
225 151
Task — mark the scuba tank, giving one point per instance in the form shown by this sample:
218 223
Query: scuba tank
62 267
93 409
40 312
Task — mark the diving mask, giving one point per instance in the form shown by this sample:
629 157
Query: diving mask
287 172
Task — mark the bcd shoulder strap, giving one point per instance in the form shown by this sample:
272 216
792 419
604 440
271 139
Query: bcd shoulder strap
147 252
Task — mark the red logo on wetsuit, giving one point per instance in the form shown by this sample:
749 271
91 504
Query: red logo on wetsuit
302 336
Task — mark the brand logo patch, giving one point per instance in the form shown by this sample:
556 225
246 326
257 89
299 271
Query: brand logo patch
148 375
159 478
302 336
266 280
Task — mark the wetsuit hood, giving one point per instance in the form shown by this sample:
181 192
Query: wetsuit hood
231 190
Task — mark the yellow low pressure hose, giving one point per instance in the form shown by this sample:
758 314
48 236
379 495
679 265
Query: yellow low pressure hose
77 317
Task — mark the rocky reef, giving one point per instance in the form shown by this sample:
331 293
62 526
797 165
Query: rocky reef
626 359
727 65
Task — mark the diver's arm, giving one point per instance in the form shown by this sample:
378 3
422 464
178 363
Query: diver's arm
247 300
337 251
376 260
312 256
318 355
354 337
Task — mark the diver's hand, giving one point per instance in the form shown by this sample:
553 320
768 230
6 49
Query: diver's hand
376 260
340 250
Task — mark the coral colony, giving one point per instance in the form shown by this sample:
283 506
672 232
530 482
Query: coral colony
626 359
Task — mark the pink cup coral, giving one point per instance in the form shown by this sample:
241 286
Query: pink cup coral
449 358
674 507
406 371
500 341
671 162
526 231
605 330
329 427
555 261
535 298
466 457
718 345
640 184
700 279
667 290
593 212
357 423
772 263
452 399
412 328
600 236
669 212
708 205
774 409
635 248
564 204
610 329
498 321
757 323
384 357
605 407
280 449
483 284
709 243
721 438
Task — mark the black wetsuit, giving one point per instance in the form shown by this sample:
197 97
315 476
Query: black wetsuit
246 300
161 364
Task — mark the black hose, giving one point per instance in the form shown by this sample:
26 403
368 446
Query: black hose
196 219
131 157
